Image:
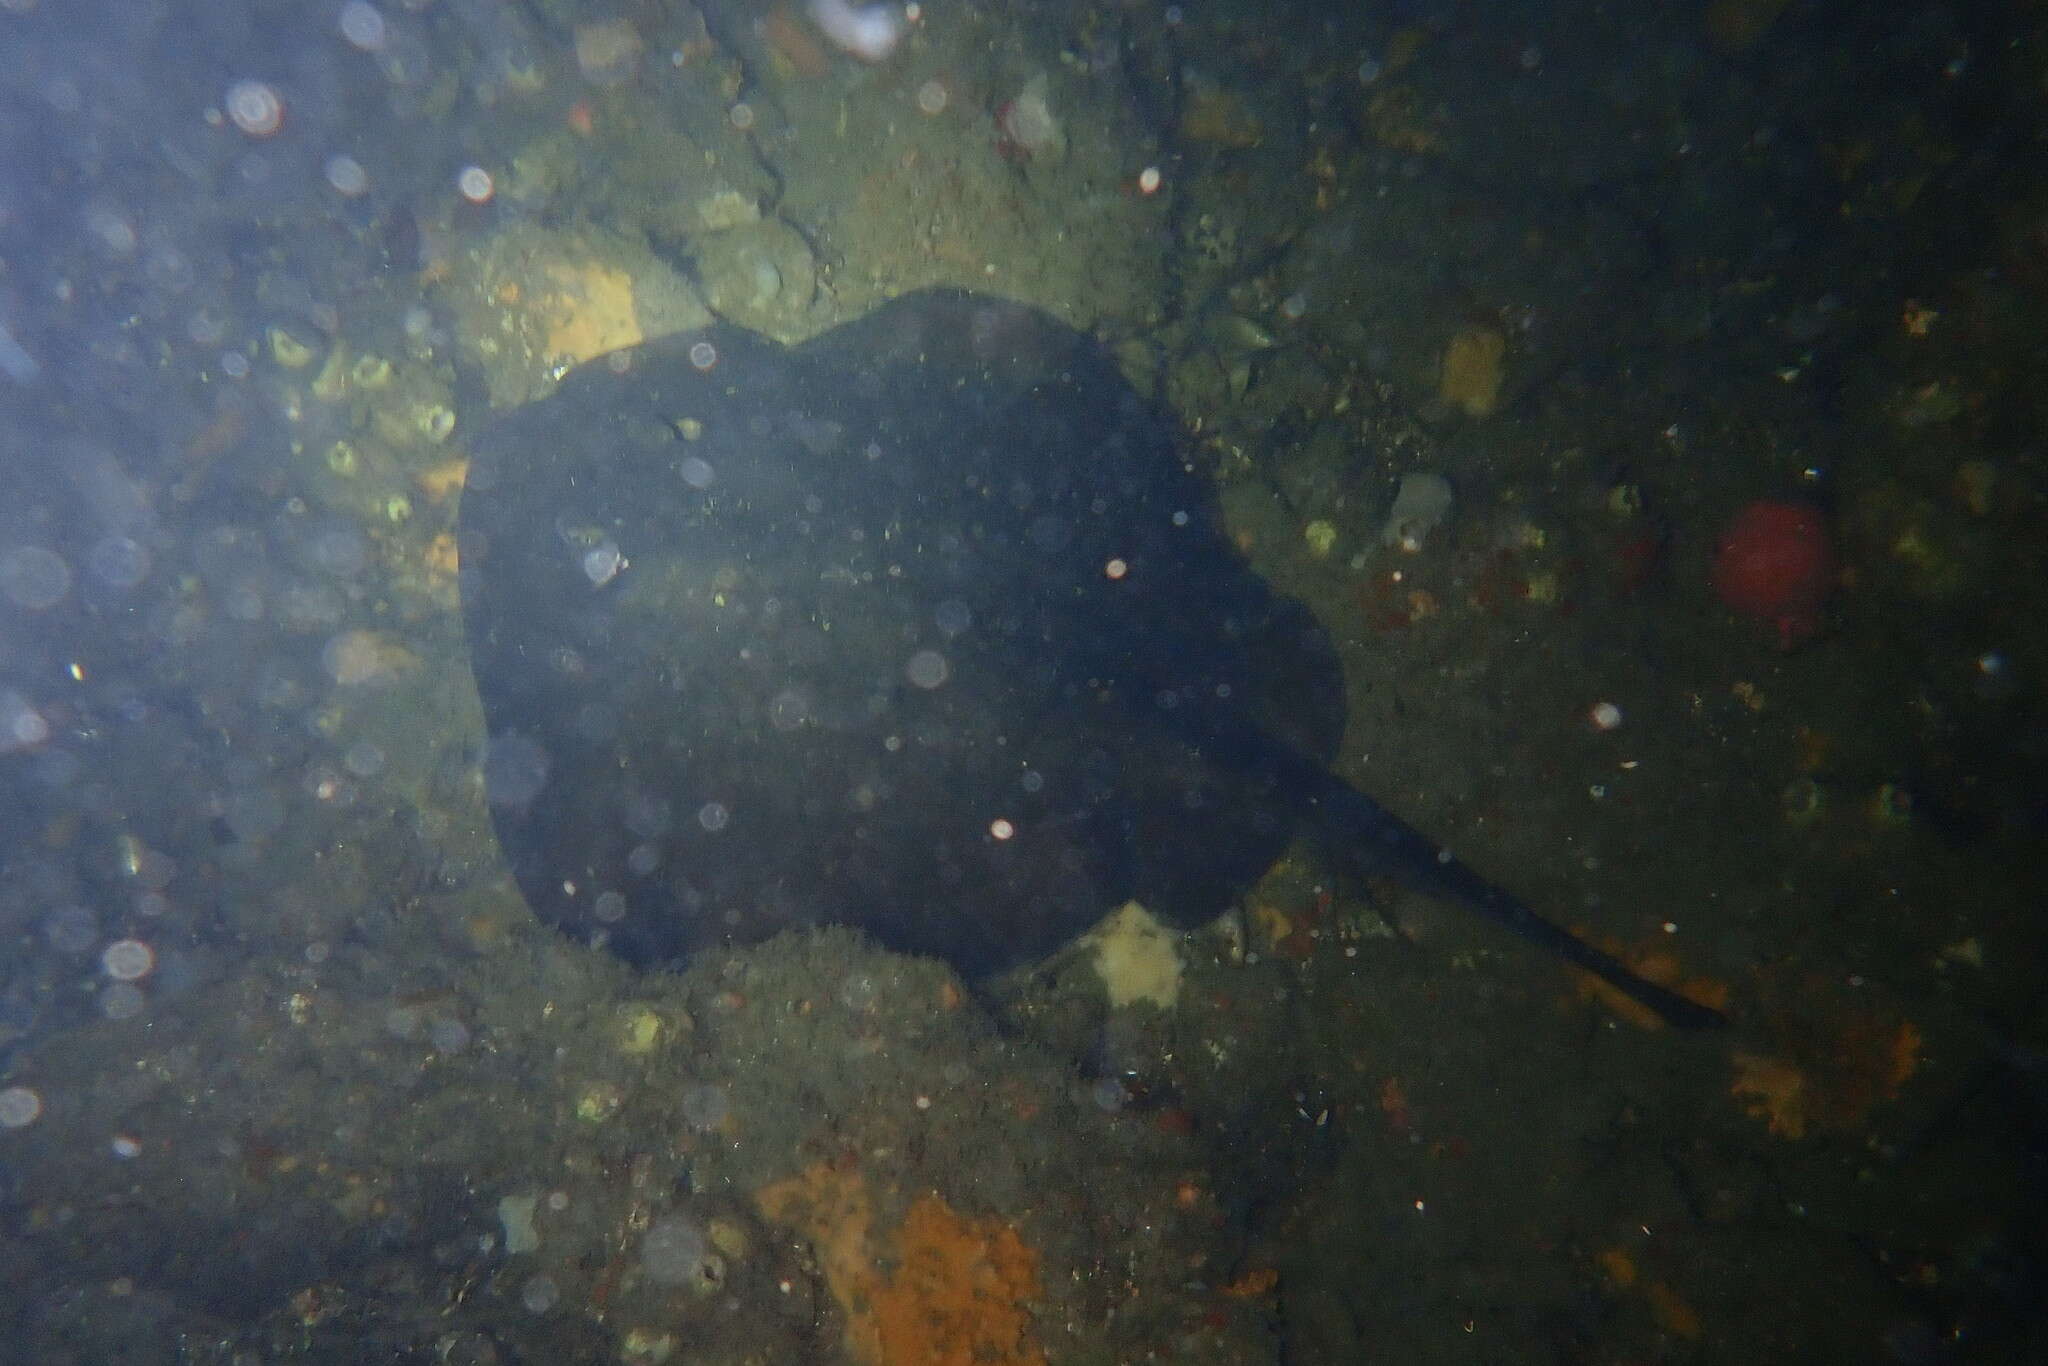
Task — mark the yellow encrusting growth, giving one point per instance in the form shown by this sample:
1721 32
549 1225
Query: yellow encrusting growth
1137 957
589 313
1472 370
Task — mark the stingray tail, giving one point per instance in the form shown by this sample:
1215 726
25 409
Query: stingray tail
1379 843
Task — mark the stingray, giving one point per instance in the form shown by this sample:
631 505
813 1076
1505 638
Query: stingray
928 626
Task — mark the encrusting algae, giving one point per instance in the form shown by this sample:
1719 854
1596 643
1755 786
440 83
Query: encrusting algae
944 1289
1857 1064
1656 962
1673 1314
957 1291
1832 1055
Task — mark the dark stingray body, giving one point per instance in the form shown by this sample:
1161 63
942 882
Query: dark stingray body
924 626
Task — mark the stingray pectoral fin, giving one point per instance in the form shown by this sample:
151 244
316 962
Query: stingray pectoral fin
1358 828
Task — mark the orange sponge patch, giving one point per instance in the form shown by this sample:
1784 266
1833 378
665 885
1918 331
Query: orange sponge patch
944 1289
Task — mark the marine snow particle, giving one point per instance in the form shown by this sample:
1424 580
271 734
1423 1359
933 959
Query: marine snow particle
71 929
673 1250
792 709
346 175
515 1217
253 813
705 1107
927 669
365 759
21 725
703 355
111 230
362 24
118 561
602 563
19 1107
515 770
1148 180
474 183
128 960
448 1034
540 1294
1422 505
953 617
1000 829
608 53
869 32
123 1001
1027 124
1604 716
33 577
860 993
254 108
931 97
1116 569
